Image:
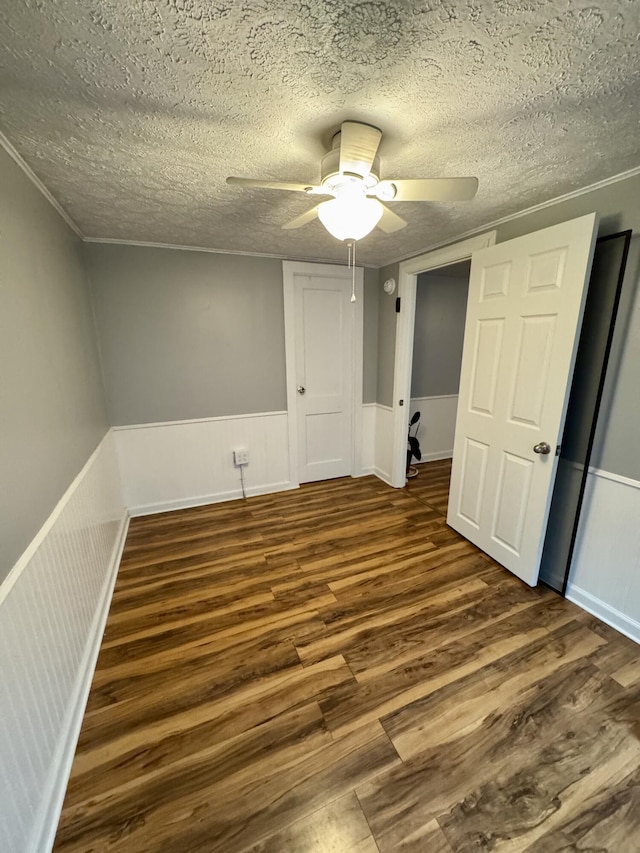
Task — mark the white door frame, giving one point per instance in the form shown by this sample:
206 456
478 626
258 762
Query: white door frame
289 270
405 323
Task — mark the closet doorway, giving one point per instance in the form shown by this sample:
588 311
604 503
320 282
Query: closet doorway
441 308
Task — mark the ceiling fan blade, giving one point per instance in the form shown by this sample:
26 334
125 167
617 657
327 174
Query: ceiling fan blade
358 147
390 221
272 185
429 189
301 220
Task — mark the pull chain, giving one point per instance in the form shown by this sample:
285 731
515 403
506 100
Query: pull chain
352 264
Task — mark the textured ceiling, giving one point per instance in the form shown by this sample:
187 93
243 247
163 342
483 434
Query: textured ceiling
133 113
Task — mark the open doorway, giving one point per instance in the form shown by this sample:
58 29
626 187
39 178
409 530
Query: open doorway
406 304
438 339
441 309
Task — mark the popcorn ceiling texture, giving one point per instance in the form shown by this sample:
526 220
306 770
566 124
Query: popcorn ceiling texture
133 113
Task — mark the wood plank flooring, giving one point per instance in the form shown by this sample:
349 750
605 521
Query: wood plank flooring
334 669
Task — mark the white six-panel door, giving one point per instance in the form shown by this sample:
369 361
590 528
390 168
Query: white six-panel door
324 368
526 299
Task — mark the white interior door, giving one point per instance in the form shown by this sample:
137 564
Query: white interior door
526 299
324 369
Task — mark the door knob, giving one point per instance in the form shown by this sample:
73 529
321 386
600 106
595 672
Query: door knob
302 389
543 448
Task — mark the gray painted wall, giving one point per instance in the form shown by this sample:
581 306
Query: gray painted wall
618 205
196 334
187 334
51 404
441 310
370 333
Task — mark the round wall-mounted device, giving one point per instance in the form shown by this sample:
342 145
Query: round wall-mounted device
389 285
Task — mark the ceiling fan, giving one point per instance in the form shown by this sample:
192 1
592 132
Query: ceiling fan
350 174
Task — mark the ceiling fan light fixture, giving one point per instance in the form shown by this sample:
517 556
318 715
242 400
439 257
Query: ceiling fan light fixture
386 191
350 218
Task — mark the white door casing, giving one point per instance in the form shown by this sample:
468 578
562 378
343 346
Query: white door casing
405 326
324 379
323 332
526 299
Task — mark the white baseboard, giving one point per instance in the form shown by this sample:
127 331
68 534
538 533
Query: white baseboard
620 621
382 475
434 457
364 472
204 500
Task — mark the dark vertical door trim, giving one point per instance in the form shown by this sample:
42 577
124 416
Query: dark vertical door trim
603 373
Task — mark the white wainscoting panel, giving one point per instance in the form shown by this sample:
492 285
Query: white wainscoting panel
368 457
605 571
53 607
178 464
383 458
437 425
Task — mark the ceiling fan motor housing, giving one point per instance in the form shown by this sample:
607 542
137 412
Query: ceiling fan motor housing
332 178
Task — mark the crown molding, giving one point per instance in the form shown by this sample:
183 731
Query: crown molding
178 246
606 182
35 180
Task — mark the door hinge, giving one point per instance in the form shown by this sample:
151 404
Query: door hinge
397 304
558 449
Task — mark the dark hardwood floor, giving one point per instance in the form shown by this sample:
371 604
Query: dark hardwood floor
334 669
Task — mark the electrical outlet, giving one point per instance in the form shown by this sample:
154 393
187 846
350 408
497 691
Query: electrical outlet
240 457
